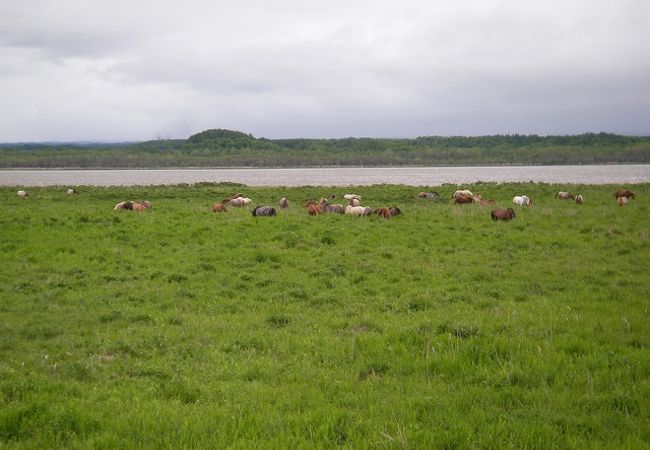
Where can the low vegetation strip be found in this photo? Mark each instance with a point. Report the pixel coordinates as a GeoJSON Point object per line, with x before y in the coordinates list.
{"type": "Point", "coordinates": [226, 148]}
{"type": "Point", "coordinates": [180, 327]}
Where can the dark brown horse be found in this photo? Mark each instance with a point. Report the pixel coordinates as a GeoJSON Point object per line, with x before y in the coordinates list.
{"type": "Point", "coordinates": [503, 214]}
{"type": "Point", "coordinates": [395, 211]}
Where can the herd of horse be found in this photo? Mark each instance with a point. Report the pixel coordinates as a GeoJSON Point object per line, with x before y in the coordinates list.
{"type": "Point", "coordinates": [354, 207]}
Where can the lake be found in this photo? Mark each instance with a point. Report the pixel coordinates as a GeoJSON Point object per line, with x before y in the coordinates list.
{"type": "Point", "coordinates": [413, 176]}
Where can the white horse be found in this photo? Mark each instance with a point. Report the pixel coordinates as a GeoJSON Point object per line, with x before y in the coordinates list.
{"type": "Point", "coordinates": [462, 193]}
{"type": "Point", "coordinates": [240, 201]}
{"type": "Point", "coordinates": [355, 210]}
{"type": "Point", "coordinates": [352, 196]}
{"type": "Point", "coordinates": [22, 194]}
{"type": "Point", "coordinates": [521, 200]}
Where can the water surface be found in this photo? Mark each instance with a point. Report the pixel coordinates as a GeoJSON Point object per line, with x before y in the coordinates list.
{"type": "Point", "coordinates": [413, 176]}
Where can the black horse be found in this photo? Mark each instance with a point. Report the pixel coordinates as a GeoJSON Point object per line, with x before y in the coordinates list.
{"type": "Point", "coordinates": [264, 211]}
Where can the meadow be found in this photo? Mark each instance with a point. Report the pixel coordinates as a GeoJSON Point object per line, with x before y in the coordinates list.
{"type": "Point", "coordinates": [181, 328]}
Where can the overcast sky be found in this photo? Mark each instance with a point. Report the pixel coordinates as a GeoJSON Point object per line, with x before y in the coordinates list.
{"type": "Point", "coordinates": [146, 69]}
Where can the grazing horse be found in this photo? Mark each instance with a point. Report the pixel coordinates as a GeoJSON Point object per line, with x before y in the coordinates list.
{"type": "Point", "coordinates": [461, 199]}
{"type": "Point", "coordinates": [354, 202]}
{"type": "Point", "coordinates": [580, 199]}
{"type": "Point", "coordinates": [327, 207]}
{"type": "Point", "coordinates": [351, 196]}
{"type": "Point", "coordinates": [355, 210]}
{"type": "Point", "coordinates": [624, 193]}
{"type": "Point", "coordinates": [522, 200]}
{"type": "Point", "coordinates": [314, 209]}
{"type": "Point", "coordinates": [503, 214]}
{"type": "Point", "coordinates": [462, 192]}
{"type": "Point", "coordinates": [266, 211]}
{"type": "Point", "coordinates": [429, 195]}
{"type": "Point", "coordinates": [140, 206]}
{"type": "Point", "coordinates": [622, 201]}
{"type": "Point", "coordinates": [22, 194]}
{"type": "Point", "coordinates": [240, 201]}
{"type": "Point", "coordinates": [395, 211]}
{"type": "Point", "coordinates": [564, 195]}
{"type": "Point", "coordinates": [383, 212]}
{"type": "Point", "coordinates": [71, 191]}
{"type": "Point", "coordinates": [284, 203]}
{"type": "Point", "coordinates": [124, 205]}
{"type": "Point", "coordinates": [219, 207]}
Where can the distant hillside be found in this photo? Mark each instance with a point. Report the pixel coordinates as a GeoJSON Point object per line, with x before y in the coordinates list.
{"type": "Point", "coordinates": [228, 148]}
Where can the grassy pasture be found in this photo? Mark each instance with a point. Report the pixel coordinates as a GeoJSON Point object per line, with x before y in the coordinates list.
{"type": "Point", "coordinates": [181, 328]}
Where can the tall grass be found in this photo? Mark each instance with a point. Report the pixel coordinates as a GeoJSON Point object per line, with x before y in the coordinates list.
{"type": "Point", "coordinates": [182, 328]}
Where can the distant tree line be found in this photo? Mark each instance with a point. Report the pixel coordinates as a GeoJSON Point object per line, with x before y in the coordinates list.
{"type": "Point", "coordinates": [227, 148]}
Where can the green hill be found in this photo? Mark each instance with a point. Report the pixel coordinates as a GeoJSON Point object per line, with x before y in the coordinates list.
{"type": "Point", "coordinates": [228, 148]}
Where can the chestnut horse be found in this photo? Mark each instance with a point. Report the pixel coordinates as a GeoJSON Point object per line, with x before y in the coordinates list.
{"type": "Point", "coordinates": [624, 193]}
{"type": "Point", "coordinates": [383, 212]}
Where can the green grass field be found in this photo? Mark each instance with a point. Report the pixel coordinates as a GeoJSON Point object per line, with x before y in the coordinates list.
{"type": "Point", "coordinates": [181, 328]}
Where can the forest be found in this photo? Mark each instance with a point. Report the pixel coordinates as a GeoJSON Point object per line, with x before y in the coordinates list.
{"type": "Point", "coordinates": [228, 148]}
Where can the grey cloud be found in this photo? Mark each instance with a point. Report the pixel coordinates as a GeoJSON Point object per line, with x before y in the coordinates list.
{"type": "Point", "coordinates": [293, 68]}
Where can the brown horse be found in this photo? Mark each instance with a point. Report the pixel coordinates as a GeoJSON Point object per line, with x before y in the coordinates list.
{"type": "Point", "coordinates": [624, 193]}
{"type": "Point", "coordinates": [314, 209]}
{"type": "Point", "coordinates": [143, 206]}
{"type": "Point", "coordinates": [487, 202]}
{"type": "Point", "coordinates": [383, 212]}
{"type": "Point", "coordinates": [395, 211]}
{"type": "Point", "coordinates": [503, 214]}
{"type": "Point", "coordinates": [219, 207]}
{"type": "Point", "coordinates": [462, 199]}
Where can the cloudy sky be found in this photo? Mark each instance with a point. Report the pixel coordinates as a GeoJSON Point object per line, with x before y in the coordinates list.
{"type": "Point", "coordinates": [146, 69]}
